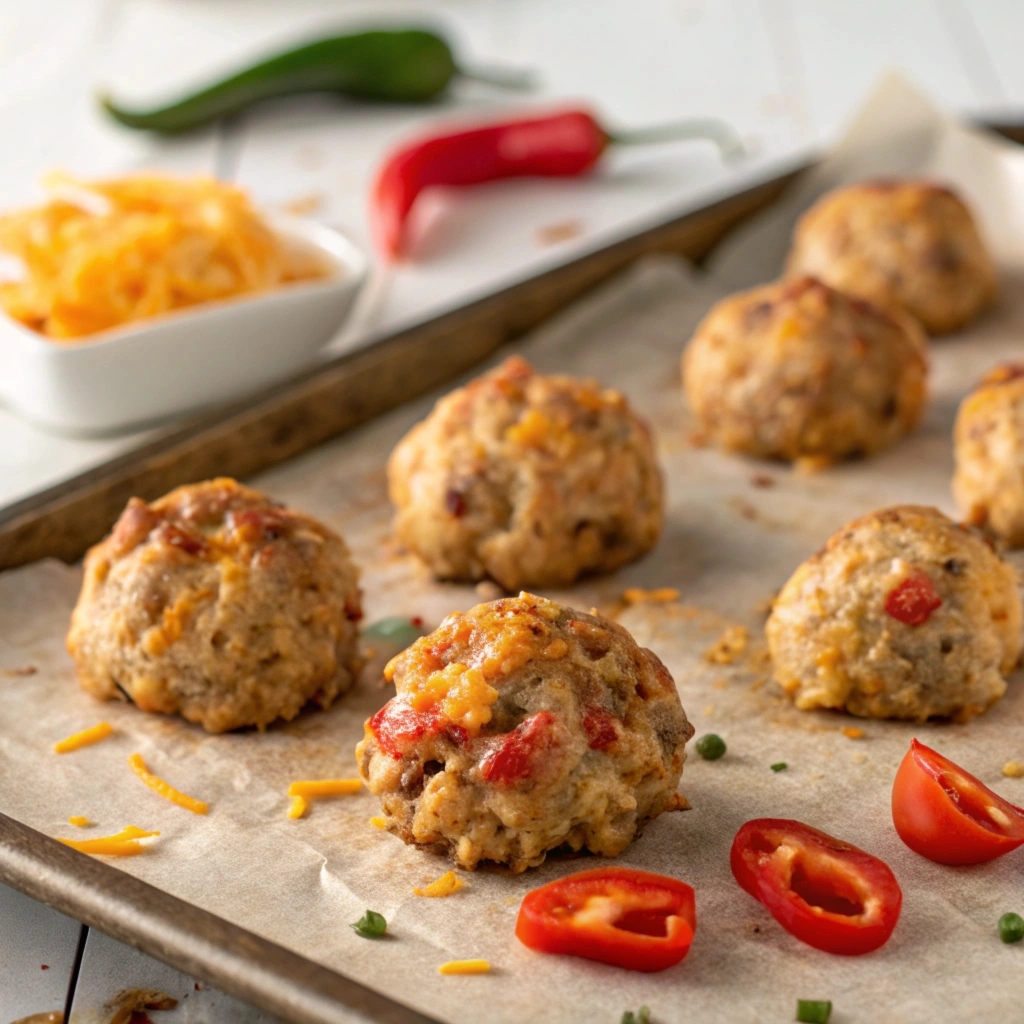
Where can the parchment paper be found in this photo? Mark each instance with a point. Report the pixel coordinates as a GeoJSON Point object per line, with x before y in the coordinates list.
{"type": "Point", "coordinates": [730, 542]}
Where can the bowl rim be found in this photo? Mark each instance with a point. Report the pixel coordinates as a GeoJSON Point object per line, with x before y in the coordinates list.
{"type": "Point", "coordinates": [349, 260]}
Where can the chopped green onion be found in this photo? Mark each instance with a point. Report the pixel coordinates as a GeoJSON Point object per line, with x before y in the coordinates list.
{"type": "Point", "coordinates": [711, 747]}
{"type": "Point", "coordinates": [813, 1011]}
{"type": "Point", "coordinates": [1011, 927]}
{"type": "Point", "coordinates": [642, 1016]}
{"type": "Point", "coordinates": [371, 925]}
{"type": "Point", "coordinates": [779, 766]}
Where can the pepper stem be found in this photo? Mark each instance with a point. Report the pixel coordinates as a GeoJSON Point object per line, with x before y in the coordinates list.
{"type": "Point", "coordinates": [518, 79]}
{"type": "Point", "coordinates": [723, 135]}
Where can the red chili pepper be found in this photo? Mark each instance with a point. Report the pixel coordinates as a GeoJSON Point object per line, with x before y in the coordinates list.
{"type": "Point", "coordinates": [513, 759]}
{"type": "Point", "coordinates": [559, 145]}
{"type": "Point", "coordinates": [947, 815]}
{"type": "Point", "coordinates": [827, 893]}
{"type": "Point", "coordinates": [913, 601]}
{"type": "Point", "coordinates": [620, 916]}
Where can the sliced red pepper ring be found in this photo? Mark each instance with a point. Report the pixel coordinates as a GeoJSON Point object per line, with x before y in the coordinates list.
{"type": "Point", "coordinates": [947, 815]}
{"type": "Point", "coordinates": [825, 892]}
{"type": "Point", "coordinates": [620, 916]}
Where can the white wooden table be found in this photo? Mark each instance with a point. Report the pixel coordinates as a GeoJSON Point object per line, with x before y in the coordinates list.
{"type": "Point", "coordinates": [784, 72]}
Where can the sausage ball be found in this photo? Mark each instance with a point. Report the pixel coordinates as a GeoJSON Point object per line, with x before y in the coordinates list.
{"type": "Point", "coordinates": [988, 445]}
{"type": "Point", "coordinates": [796, 370]}
{"type": "Point", "coordinates": [527, 479]}
{"type": "Point", "coordinates": [903, 614]}
{"type": "Point", "coordinates": [220, 605]}
{"type": "Point", "coordinates": [523, 726]}
{"type": "Point", "coordinates": [911, 245]}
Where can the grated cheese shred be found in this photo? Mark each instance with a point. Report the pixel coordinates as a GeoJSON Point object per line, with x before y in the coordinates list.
{"type": "Point", "coordinates": [447, 884]}
{"type": "Point", "coordinates": [78, 820]}
{"type": "Point", "coordinates": [123, 844]}
{"type": "Point", "coordinates": [298, 807]}
{"type": "Point", "coordinates": [465, 967]}
{"type": "Point", "coordinates": [164, 789]}
{"type": "Point", "coordinates": [310, 788]}
{"type": "Point", "coordinates": [85, 738]}
{"type": "Point", "coordinates": [378, 822]}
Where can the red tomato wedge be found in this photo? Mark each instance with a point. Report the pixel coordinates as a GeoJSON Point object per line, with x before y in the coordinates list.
{"type": "Point", "coordinates": [632, 919]}
{"type": "Point", "coordinates": [949, 816]}
{"type": "Point", "coordinates": [825, 892]}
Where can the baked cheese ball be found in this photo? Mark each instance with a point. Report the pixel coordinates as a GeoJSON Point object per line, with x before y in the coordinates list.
{"type": "Point", "coordinates": [796, 370]}
{"type": "Point", "coordinates": [903, 614]}
{"type": "Point", "coordinates": [523, 726]}
{"type": "Point", "coordinates": [220, 605]}
{"type": "Point", "coordinates": [904, 244]}
{"type": "Point", "coordinates": [988, 447]}
{"type": "Point", "coordinates": [527, 479]}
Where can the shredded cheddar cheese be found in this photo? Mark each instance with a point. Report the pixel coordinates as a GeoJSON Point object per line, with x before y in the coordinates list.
{"type": "Point", "coordinates": [164, 789]}
{"type": "Point", "coordinates": [310, 788]}
{"type": "Point", "coordinates": [78, 820]}
{"type": "Point", "coordinates": [447, 884]}
{"type": "Point", "coordinates": [298, 807]}
{"type": "Point", "coordinates": [1013, 770]}
{"type": "Point", "coordinates": [378, 822]}
{"type": "Point", "coordinates": [462, 693]}
{"type": "Point", "coordinates": [85, 738]}
{"type": "Point", "coordinates": [659, 595]}
{"type": "Point", "coordinates": [465, 967]}
{"type": "Point", "coordinates": [104, 253]}
{"type": "Point", "coordinates": [853, 733]}
{"type": "Point", "coordinates": [123, 844]}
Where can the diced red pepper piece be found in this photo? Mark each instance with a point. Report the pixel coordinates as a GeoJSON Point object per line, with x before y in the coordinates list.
{"type": "Point", "coordinates": [397, 727]}
{"type": "Point", "coordinates": [620, 916]}
{"type": "Point", "coordinates": [825, 892]}
{"type": "Point", "coordinates": [513, 759]}
{"type": "Point", "coordinates": [176, 537]}
{"type": "Point", "coordinates": [600, 728]}
{"type": "Point", "coordinates": [258, 523]}
{"type": "Point", "coordinates": [913, 601]}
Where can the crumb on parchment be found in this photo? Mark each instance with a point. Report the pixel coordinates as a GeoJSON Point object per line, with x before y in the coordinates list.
{"type": "Point", "coordinates": [1013, 770]}
{"type": "Point", "coordinates": [728, 647]}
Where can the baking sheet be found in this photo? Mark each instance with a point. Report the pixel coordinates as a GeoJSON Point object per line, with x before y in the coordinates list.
{"type": "Point", "coordinates": [729, 543]}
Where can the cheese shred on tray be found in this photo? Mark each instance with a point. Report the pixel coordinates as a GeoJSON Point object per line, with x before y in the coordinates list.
{"type": "Point", "coordinates": [465, 967]}
{"type": "Point", "coordinates": [447, 884]}
{"type": "Point", "coordinates": [164, 789]}
{"type": "Point", "coordinates": [310, 788]}
{"type": "Point", "coordinates": [124, 844]}
{"type": "Point", "coordinates": [101, 254]}
{"type": "Point", "coordinates": [84, 738]}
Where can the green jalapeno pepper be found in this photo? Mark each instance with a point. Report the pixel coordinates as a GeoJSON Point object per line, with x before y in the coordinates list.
{"type": "Point", "coordinates": [407, 66]}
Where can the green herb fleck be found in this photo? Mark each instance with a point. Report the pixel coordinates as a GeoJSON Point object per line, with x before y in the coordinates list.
{"type": "Point", "coordinates": [1011, 927]}
{"type": "Point", "coordinates": [642, 1016]}
{"type": "Point", "coordinates": [711, 747]}
{"type": "Point", "coordinates": [813, 1011]}
{"type": "Point", "coordinates": [399, 631]}
{"type": "Point", "coordinates": [779, 766]}
{"type": "Point", "coordinates": [371, 925]}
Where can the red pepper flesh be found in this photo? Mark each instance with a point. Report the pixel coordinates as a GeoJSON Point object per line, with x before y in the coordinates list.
{"type": "Point", "coordinates": [913, 601]}
{"type": "Point", "coordinates": [397, 727]}
{"type": "Point", "coordinates": [823, 891]}
{"type": "Point", "coordinates": [564, 144]}
{"type": "Point", "coordinates": [620, 916]}
{"type": "Point", "coordinates": [947, 815]}
{"type": "Point", "coordinates": [513, 759]}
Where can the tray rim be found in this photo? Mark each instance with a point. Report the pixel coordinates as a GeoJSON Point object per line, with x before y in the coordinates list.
{"type": "Point", "coordinates": [167, 927]}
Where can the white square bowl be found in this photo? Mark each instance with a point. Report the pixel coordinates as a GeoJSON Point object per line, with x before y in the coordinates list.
{"type": "Point", "coordinates": [177, 363]}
